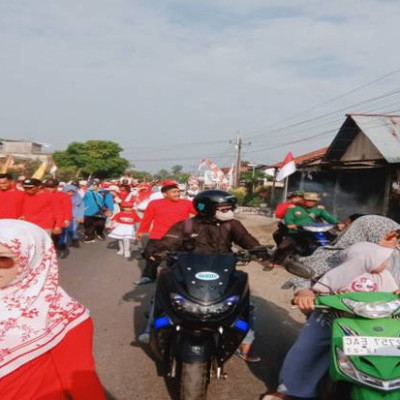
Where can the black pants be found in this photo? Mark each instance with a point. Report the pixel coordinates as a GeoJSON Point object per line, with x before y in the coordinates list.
{"type": "Point", "coordinates": [92, 226]}
{"type": "Point", "coordinates": [288, 244]}
{"type": "Point", "coordinates": [279, 233]}
{"type": "Point", "coordinates": [150, 269]}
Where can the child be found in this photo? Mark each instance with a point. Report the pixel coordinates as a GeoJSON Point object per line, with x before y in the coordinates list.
{"type": "Point", "coordinates": [123, 228]}
{"type": "Point", "coordinates": [363, 269]}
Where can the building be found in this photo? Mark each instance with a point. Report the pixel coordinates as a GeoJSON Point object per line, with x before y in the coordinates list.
{"type": "Point", "coordinates": [23, 149]}
{"type": "Point", "coordinates": [360, 171]}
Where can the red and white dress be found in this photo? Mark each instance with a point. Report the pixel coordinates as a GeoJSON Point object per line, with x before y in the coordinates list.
{"type": "Point", "coordinates": [45, 335]}
{"type": "Point", "coordinates": [124, 223]}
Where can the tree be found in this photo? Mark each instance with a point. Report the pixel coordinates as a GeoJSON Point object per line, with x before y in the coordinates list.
{"type": "Point", "coordinates": [142, 176]}
{"type": "Point", "coordinates": [99, 158]}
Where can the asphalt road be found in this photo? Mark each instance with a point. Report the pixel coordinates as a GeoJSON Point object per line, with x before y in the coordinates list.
{"type": "Point", "coordinates": [104, 282]}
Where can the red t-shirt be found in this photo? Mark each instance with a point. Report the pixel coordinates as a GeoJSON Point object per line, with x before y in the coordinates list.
{"type": "Point", "coordinates": [281, 209]}
{"type": "Point", "coordinates": [66, 370]}
{"type": "Point", "coordinates": [126, 217]}
{"type": "Point", "coordinates": [65, 205]}
{"type": "Point", "coordinates": [161, 214]}
{"type": "Point", "coordinates": [42, 209]}
{"type": "Point", "coordinates": [11, 202]}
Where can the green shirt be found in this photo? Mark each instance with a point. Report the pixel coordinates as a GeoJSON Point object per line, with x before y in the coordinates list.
{"type": "Point", "coordinates": [301, 216]}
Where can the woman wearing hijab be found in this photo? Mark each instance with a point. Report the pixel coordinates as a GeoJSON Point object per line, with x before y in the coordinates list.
{"type": "Point", "coordinates": [45, 335]}
{"type": "Point", "coordinates": [364, 268]}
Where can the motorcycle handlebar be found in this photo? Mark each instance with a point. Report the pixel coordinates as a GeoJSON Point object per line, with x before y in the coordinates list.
{"type": "Point", "coordinates": [256, 253]}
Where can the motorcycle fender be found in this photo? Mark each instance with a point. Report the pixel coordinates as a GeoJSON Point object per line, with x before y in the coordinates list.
{"type": "Point", "coordinates": [191, 349]}
{"type": "Point", "coordinates": [363, 393]}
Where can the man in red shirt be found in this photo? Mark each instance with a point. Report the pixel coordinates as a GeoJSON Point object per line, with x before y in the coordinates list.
{"type": "Point", "coordinates": [64, 208]}
{"type": "Point", "coordinates": [159, 216]}
{"type": "Point", "coordinates": [11, 199]}
{"type": "Point", "coordinates": [41, 207]}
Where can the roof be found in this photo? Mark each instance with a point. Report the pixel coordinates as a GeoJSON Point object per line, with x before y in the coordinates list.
{"type": "Point", "coordinates": [381, 129]}
{"type": "Point", "coordinates": [21, 141]}
{"type": "Point", "coordinates": [313, 157]}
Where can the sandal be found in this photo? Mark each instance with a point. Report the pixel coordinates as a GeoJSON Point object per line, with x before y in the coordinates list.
{"type": "Point", "coordinates": [275, 396]}
{"type": "Point", "coordinates": [248, 357]}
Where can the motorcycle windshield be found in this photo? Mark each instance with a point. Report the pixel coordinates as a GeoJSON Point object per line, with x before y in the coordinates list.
{"type": "Point", "coordinates": [206, 276]}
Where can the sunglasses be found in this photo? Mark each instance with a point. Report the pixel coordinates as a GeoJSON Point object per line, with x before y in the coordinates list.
{"type": "Point", "coordinates": [7, 262]}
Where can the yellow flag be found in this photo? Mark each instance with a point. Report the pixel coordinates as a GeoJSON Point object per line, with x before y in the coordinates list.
{"type": "Point", "coordinates": [7, 164]}
{"type": "Point", "coordinates": [39, 173]}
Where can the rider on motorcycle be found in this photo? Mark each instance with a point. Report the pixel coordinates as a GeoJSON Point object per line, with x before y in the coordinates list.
{"type": "Point", "coordinates": [212, 230]}
{"type": "Point", "coordinates": [298, 216]}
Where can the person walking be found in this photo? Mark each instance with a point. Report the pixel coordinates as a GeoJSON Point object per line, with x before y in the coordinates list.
{"type": "Point", "coordinates": [11, 199]}
{"type": "Point", "coordinates": [41, 207]}
{"type": "Point", "coordinates": [78, 209]}
{"type": "Point", "coordinates": [158, 218]}
{"type": "Point", "coordinates": [123, 228]}
{"type": "Point", "coordinates": [45, 335]}
{"type": "Point", "coordinates": [98, 206]}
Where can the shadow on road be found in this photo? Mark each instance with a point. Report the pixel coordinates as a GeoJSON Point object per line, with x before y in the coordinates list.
{"type": "Point", "coordinates": [276, 330]}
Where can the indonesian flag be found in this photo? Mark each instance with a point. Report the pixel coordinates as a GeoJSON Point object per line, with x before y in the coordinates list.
{"type": "Point", "coordinates": [288, 168]}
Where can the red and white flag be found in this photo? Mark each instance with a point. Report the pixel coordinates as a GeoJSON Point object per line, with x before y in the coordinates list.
{"type": "Point", "coordinates": [288, 168]}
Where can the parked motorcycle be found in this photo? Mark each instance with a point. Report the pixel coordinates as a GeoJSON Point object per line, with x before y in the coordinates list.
{"type": "Point", "coordinates": [201, 315]}
{"type": "Point", "coordinates": [365, 350]}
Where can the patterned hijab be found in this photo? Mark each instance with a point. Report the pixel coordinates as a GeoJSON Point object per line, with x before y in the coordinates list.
{"type": "Point", "coordinates": [369, 228]}
{"type": "Point", "coordinates": [35, 312]}
{"type": "Point", "coordinates": [355, 272]}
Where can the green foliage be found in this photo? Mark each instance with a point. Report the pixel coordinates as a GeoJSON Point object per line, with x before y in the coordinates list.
{"type": "Point", "coordinates": [240, 193]}
{"type": "Point", "coordinates": [67, 174]}
{"type": "Point", "coordinates": [99, 158]}
{"type": "Point", "coordinates": [176, 173]}
{"type": "Point", "coordinates": [142, 176]}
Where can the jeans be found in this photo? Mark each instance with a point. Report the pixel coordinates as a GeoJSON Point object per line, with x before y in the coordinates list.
{"type": "Point", "coordinates": [70, 232]}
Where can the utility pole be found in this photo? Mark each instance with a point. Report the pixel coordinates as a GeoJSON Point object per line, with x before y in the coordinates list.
{"type": "Point", "coordinates": [238, 157]}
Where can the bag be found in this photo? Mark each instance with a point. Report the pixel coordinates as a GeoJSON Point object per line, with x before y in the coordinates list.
{"type": "Point", "coordinates": [102, 210]}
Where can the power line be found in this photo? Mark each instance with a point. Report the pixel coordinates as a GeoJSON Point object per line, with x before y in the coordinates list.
{"type": "Point", "coordinates": [331, 100]}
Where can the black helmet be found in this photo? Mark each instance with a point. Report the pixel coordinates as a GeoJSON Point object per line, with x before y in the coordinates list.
{"type": "Point", "coordinates": [207, 201]}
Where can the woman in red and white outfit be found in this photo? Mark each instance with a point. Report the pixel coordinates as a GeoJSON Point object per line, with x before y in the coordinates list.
{"type": "Point", "coordinates": [123, 228]}
{"type": "Point", "coordinates": [45, 335]}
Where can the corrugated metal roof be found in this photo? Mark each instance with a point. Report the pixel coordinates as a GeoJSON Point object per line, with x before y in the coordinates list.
{"type": "Point", "coordinates": [384, 133]}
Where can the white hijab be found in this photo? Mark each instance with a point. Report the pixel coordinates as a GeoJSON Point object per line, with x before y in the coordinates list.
{"type": "Point", "coordinates": [35, 312]}
{"type": "Point", "coordinates": [355, 271]}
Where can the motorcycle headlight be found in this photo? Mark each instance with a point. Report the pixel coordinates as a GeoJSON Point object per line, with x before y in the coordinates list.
{"type": "Point", "coordinates": [348, 369]}
{"type": "Point", "coordinates": [185, 305]}
{"type": "Point", "coordinates": [378, 309]}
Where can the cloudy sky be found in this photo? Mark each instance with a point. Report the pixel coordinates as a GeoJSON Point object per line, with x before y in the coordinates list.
{"type": "Point", "coordinates": [173, 81]}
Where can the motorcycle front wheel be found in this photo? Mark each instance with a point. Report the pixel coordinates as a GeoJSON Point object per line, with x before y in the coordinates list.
{"type": "Point", "coordinates": [194, 381]}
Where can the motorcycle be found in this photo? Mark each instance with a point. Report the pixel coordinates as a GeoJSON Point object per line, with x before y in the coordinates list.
{"type": "Point", "coordinates": [365, 349]}
{"type": "Point", "coordinates": [201, 315]}
{"type": "Point", "coordinates": [315, 235]}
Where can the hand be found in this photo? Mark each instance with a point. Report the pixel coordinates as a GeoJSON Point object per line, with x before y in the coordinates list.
{"type": "Point", "coordinates": [108, 213]}
{"type": "Point", "coordinates": [80, 221]}
{"type": "Point", "coordinates": [341, 226]}
{"type": "Point", "coordinates": [67, 223]}
{"type": "Point", "coordinates": [292, 226]}
{"type": "Point", "coordinates": [56, 231]}
{"type": "Point", "coordinates": [139, 236]}
{"type": "Point", "coordinates": [389, 240]}
{"type": "Point", "coordinates": [305, 300]}
{"type": "Point", "coordinates": [397, 292]}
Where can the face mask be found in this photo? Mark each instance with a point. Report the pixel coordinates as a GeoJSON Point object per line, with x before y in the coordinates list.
{"type": "Point", "coordinates": [224, 216]}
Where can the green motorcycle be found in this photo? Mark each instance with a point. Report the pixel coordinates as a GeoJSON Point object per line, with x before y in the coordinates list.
{"type": "Point", "coordinates": [365, 350]}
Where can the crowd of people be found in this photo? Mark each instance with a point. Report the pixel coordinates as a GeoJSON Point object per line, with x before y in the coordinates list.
{"type": "Point", "coordinates": [40, 323]}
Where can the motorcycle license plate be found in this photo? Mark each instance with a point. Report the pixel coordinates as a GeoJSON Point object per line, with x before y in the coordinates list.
{"type": "Point", "coordinates": [371, 346]}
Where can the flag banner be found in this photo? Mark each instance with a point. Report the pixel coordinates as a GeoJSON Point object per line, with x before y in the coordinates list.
{"type": "Point", "coordinates": [39, 173]}
{"type": "Point", "coordinates": [287, 169]}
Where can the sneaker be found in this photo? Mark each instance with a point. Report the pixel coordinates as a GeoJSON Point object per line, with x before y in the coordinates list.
{"type": "Point", "coordinates": [248, 357]}
{"type": "Point", "coordinates": [144, 280]}
{"type": "Point", "coordinates": [127, 254]}
{"type": "Point", "coordinates": [144, 338]}
{"type": "Point", "coordinates": [89, 241]}
{"type": "Point", "coordinates": [101, 237]}
{"type": "Point", "coordinates": [120, 253]}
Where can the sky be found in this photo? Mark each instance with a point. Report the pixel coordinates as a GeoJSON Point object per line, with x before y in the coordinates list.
{"type": "Point", "coordinates": [174, 81]}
